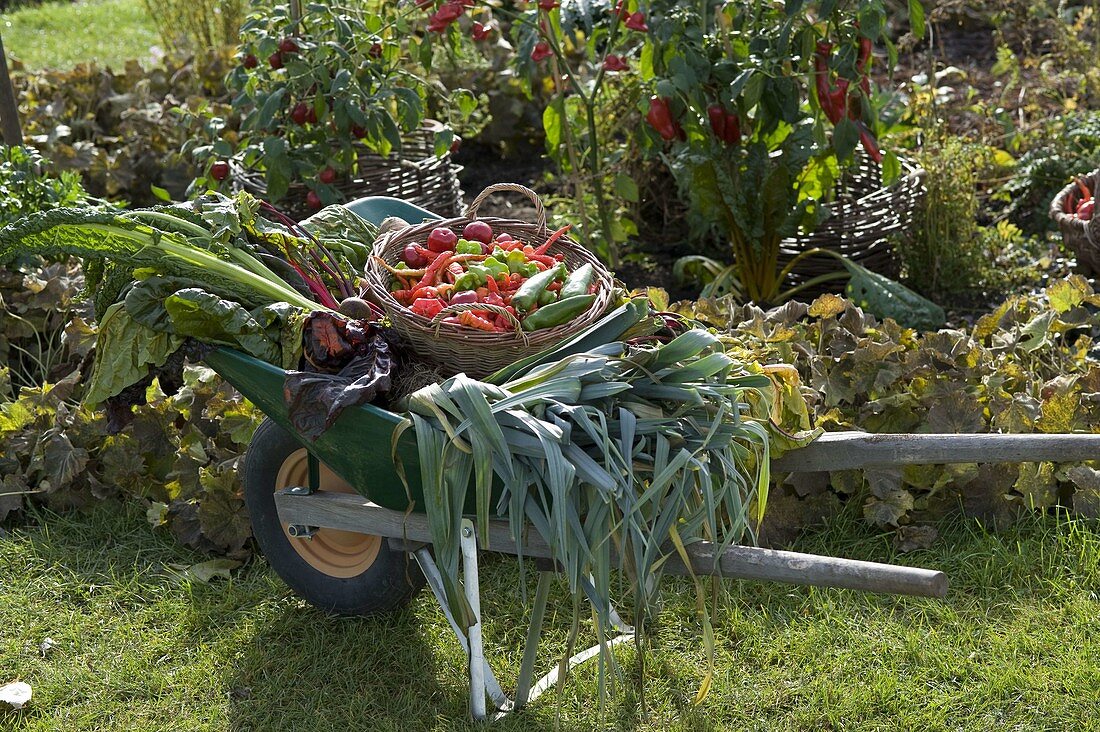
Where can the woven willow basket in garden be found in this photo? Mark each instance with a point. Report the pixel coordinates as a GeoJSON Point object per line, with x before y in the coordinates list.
{"type": "Point", "coordinates": [866, 217]}
{"type": "Point", "coordinates": [1081, 237]}
{"type": "Point", "coordinates": [460, 349]}
{"type": "Point", "coordinates": [415, 175]}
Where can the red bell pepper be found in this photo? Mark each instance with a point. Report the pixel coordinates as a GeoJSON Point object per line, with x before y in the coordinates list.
{"type": "Point", "coordinates": [660, 118]}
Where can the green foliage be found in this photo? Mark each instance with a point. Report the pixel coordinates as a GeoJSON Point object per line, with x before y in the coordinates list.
{"type": "Point", "coordinates": [1063, 148]}
{"type": "Point", "coordinates": [766, 71]}
{"type": "Point", "coordinates": [345, 86]}
{"type": "Point", "coordinates": [44, 332]}
{"type": "Point", "coordinates": [944, 256]}
{"type": "Point", "coordinates": [27, 184]}
{"type": "Point", "coordinates": [61, 35]}
{"type": "Point", "coordinates": [178, 456]}
{"type": "Point", "coordinates": [113, 127]}
{"type": "Point", "coordinates": [196, 26]}
{"type": "Point", "coordinates": [1026, 367]}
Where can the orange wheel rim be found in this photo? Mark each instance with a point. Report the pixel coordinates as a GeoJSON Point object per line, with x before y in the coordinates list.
{"type": "Point", "coordinates": [332, 552]}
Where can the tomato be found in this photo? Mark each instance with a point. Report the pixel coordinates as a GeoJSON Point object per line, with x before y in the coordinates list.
{"type": "Point", "coordinates": [413, 258]}
{"type": "Point", "coordinates": [219, 170]}
{"type": "Point", "coordinates": [478, 231]}
{"type": "Point", "coordinates": [504, 236]}
{"type": "Point", "coordinates": [442, 239]}
{"type": "Point", "coordinates": [313, 200]}
{"type": "Point", "coordinates": [327, 176]}
{"type": "Point", "coordinates": [287, 45]}
{"type": "Point", "coordinates": [1085, 209]}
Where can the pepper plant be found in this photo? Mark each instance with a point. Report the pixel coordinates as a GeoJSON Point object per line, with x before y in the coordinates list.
{"type": "Point", "coordinates": [315, 86]}
{"type": "Point", "coordinates": [758, 107]}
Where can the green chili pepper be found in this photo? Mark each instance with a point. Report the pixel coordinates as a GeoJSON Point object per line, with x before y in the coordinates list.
{"type": "Point", "coordinates": [528, 293]}
{"type": "Point", "coordinates": [515, 259]}
{"type": "Point", "coordinates": [497, 268]}
{"type": "Point", "coordinates": [529, 270]}
{"type": "Point", "coordinates": [401, 265]}
{"type": "Point", "coordinates": [558, 312]}
{"type": "Point", "coordinates": [578, 282]}
{"type": "Point", "coordinates": [467, 247]}
{"type": "Point", "coordinates": [468, 281]}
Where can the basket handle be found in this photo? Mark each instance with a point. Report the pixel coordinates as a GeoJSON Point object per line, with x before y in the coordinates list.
{"type": "Point", "coordinates": [437, 321]}
{"type": "Point", "coordinates": [540, 211]}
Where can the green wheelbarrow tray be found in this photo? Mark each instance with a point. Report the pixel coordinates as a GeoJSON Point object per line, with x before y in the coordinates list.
{"type": "Point", "coordinates": [357, 447]}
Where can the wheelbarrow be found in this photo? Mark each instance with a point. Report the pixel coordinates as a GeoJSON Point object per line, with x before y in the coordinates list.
{"type": "Point", "coordinates": [332, 519]}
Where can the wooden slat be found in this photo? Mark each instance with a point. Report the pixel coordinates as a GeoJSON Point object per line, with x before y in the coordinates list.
{"type": "Point", "coordinates": [845, 450]}
{"type": "Point", "coordinates": [354, 513]}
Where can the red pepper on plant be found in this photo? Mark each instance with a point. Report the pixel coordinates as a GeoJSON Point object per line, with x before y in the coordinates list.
{"type": "Point", "coordinates": [612, 62]}
{"type": "Point", "coordinates": [636, 22]}
{"type": "Point", "coordinates": [548, 5]}
{"type": "Point", "coordinates": [541, 51]}
{"type": "Point", "coordinates": [480, 31]}
{"type": "Point", "coordinates": [660, 118]}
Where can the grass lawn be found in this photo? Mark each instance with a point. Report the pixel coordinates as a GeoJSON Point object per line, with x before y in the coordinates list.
{"type": "Point", "coordinates": [1014, 646]}
{"type": "Point", "coordinates": [61, 35]}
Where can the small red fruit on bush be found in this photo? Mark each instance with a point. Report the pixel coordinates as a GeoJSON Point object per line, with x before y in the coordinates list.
{"type": "Point", "coordinates": [636, 22]}
{"type": "Point", "coordinates": [375, 50]}
{"type": "Point", "coordinates": [219, 170]}
{"type": "Point", "coordinates": [313, 200]}
{"type": "Point", "coordinates": [442, 239]}
{"type": "Point", "coordinates": [250, 61]}
{"type": "Point", "coordinates": [276, 60]}
{"type": "Point", "coordinates": [359, 131]}
{"type": "Point", "coordinates": [287, 45]}
{"type": "Point", "coordinates": [327, 176]}
{"type": "Point", "coordinates": [478, 231]}
{"type": "Point", "coordinates": [300, 113]}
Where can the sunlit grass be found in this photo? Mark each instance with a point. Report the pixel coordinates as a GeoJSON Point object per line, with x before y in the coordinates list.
{"type": "Point", "coordinates": [1014, 646]}
{"type": "Point", "coordinates": [60, 35]}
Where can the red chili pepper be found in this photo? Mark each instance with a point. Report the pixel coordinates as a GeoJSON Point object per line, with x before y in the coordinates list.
{"type": "Point", "coordinates": [551, 239]}
{"type": "Point", "coordinates": [1086, 194]}
{"type": "Point", "coordinates": [480, 31]}
{"type": "Point", "coordinates": [733, 129]}
{"type": "Point", "coordinates": [636, 22]}
{"type": "Point", "coordinates": [821, 82]}
{"type": "Point", "coordinates": [717, 116]}
{"type": "Point", "coordinates": [429, 307]}
{"type": "Point", "coordinates": [548, 5]}
{"type": "Point", "coordinates": [864, 57]}
{"type": "Point", "coordinates": [660, 118]}
{"type": "Point", "coordinates": [613, 62]}
{"type": "Point", "coordinates": [541, 51]}
{"type": "Point", "coordinates": [869, 143]}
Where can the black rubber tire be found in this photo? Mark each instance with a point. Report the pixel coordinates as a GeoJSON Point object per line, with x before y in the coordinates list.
{"type": "Point", "coordinates": [388, 584]}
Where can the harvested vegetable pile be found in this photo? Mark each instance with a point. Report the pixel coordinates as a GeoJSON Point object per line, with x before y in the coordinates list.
{"type": "Point", "coordinates": [213, 271]}
{"type": "Point", "coordinates": [616, 455]}
{"type": "Point", "coordinates": [515, 283]}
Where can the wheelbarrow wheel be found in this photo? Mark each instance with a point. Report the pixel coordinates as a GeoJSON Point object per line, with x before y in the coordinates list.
{"type": "Point", "coordinates": [341, 572]}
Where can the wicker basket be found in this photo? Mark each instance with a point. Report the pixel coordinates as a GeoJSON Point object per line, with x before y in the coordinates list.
{"type": "Point", "coordinates": [1081, 237]}
{"type": "Point", "coordinates": [461, 349]}
{"type": "Point", "coordinates": [415, 175]}
{"type": "Point", "coordinates": [865, 218]}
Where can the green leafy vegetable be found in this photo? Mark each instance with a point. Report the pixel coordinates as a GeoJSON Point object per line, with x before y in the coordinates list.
{"type": "Point", "coordinates": [125, 352]}
{"type": "Point", "coordinates": [608, 454]}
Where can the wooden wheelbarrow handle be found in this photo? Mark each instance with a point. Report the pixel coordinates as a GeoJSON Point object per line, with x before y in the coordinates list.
{"type": "Point", "coordinates": [354, 513]}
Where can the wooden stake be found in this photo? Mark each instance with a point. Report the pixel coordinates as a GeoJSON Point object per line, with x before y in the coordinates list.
{"type": "Point", "coordinates": [9, 109]}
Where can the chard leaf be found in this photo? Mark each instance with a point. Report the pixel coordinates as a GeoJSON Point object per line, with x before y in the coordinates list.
{"type": "Point", "coordinates": [125, 352]}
